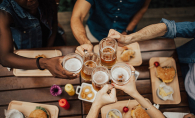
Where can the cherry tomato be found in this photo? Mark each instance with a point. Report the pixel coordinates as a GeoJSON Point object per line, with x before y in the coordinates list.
{"type": "Point", "coordinates": [156, 64]}
{"type": "Point", "coordinates": [125, 109]}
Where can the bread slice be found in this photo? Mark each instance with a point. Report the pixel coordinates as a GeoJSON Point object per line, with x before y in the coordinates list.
{"type": "Point", "coordinates": [139, 112]}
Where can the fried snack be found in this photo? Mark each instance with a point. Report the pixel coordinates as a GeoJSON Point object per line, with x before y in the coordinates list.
{"type": "Point", "coordinates": [127, 54]}
{"type": "Point", "coordinates": [42, 55]}
{"type": "Point", "coordinates": [112, 114]}
{"type": "Point", "coordinates": [139, 112]}
{"type": "Point", "coordinates": [90, 98]}
{"type": "Point", "coordinates": [83, 95]}
{"type": "Point", "coordinates": [87, 88]}
{"type": "Point", "coordinates": [166, 74]}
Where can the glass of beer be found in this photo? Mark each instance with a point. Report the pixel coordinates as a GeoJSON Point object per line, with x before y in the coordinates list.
{"type": "Point", "coordinates": [90, 61]}
{"type": "Point", "coordinates": [121, 73]}
{"type": "Point", "coordinates": [73, 63]}
{"type": "Point", "coordinates": [100, 77]}
{"type": "Point", "coordinates": [108, 52]}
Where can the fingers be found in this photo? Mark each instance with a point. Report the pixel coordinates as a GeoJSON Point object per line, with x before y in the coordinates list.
{"type": "Point", "coordinates": [106, 88]}
{"type": "Point", "coordinates": [188, 116]}
{"type": "Point", "coordinates": [117, 86]}
{"type": "Point", "coordinates": [112, 32]}
{"type": "Point", "coordinates": [78, 53]}
{"type": "Point", "coordinates": [80, 50]}
{"type": "Point", "coordinates": [113, 94]}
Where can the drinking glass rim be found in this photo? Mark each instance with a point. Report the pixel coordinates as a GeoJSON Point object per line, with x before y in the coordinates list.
{"type": "Point", "coordinates": [108, 73]}
{"type": "Point", "coordinates": [91, 60]}
{"type": "Point", "coordinates": [123, 64]}
{"type": "Point", "coordinates": [73, 57]}
{"type": "Point", "coordinates": [105, 39]}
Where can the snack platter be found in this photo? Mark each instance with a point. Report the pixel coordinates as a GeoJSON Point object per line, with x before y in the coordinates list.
{"type": "Point", "coordinates": [26, 108]}
{"type": "Point", "coordinates": [135, 61]}
{"type": "Point", "coordinates": [170, 62]}
{"type": "Point", "coordinates": [33, 54]}
{"type": "Point", "coordinates": [79, 92]}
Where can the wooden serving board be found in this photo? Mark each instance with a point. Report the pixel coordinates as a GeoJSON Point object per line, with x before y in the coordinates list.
{"type": "Point", "coordinates": [119, 105]}
{"type": "Point", "coordinates": [136, 61]}
{"type": "Point", "coordinates": [164, 61]}
{"type": "Point", "coordinates": [26, 108]}
{"type": "Point", "coordinates": [33, 54]}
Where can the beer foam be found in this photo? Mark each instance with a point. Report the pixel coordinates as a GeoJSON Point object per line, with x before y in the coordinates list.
{"type": "Point", "coordinates": [100, 77]}
{"type": "Point", "coordinates": [117, 72]}
{"type": "Point", "coordinates": [73, 64]}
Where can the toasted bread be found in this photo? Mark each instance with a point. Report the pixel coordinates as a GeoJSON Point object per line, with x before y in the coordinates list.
{"type": "Point", "coordinates": [127, 54]}
{"type": "Point", "coordinates": [138, 112]}
{"type": "Point", "coordinates": [166, 74]}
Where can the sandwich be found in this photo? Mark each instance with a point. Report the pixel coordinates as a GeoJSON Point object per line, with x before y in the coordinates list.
{"type": "Point", "coordinates": [139, 112]}
{"type": "Point", "coordinates": [166, 74]}
{"type": "Point", "coordinates": [40, 112]}
{"type": "Point", "coordinates": [127, 54]}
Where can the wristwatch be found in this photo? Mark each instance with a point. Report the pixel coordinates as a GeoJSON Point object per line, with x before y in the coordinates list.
{"type": "Point", "coordinates": [128, 31]}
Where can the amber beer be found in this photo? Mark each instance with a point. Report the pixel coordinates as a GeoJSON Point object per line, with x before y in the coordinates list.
{"type": "Point", "coordinates": [108, 57]}
{"type": "Point", "coordinates": [100, 77]}
{"type": "Point", "coordinates": [108, 52]}
{"type": "Point", "coordinates": [86, 73]}
{"type": "Point", "coordinates": [91, 60]}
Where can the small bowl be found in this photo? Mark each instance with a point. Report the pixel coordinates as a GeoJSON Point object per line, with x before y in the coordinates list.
{"type": "Point", "coordinates": [167, 89]}
{"type": "Point", "coordinates": [115, 111]}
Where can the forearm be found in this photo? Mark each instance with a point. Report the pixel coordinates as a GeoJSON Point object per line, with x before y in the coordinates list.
{"type": "Point", "coordinates": [15, 61]}
{"type": "Point", "coordinates": [79, 31]}
{"type": "Point", "coordinates": [149, 32]}
{"type": "Point", "coordinates": [135, 20]}
{"type": "Point", "coordinates": [152, 111]}
{"type": "Point", "coordinates": [53, 35]}
{"type": "Point", "coordinates": [94, 111]}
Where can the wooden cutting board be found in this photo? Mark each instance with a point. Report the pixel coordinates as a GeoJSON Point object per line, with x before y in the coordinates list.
{"type": "Point", "coordinates": [136, 61]}
{"type": "Point", "coordinates": [164, 61]}
{"type": "Point", "coordinates": [33, 54]}
{"type": "Point", "coordinates": [119, 105]}
{"type": "Point", "coordinates": [26, 108]}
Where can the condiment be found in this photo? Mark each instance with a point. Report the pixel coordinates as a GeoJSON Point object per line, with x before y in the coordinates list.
{"type": "Point", "coordinates": [69, 89]}
{"type": "Point", "coordinates": [64, 104]}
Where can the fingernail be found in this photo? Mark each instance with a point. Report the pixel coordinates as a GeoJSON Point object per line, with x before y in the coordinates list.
{"type": "Point", "coordinates": [112, 84]}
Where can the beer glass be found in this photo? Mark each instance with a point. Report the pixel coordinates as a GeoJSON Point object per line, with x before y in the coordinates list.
{"type": "Point", "coordinates": [90, 61]}
{"type": "Point", "coordinates": [73, 63]}
{"type": "Point", "coordinates": [108, 52]}
{"type": "Point", "coordinates": [121, 73]}
{"type": "Point", "coordinates": [100, 77]}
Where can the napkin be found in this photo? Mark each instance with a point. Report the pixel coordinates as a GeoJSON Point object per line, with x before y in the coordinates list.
{"type": "Point", "coordinates": [174, 114]}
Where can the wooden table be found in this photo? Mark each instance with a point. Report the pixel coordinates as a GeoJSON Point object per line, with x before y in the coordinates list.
{"type": "Point", "coordinates": [36, 89]}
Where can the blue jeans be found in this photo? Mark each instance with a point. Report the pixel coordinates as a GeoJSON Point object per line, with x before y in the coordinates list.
{"type": "Point", "coordinates": [191, 101]}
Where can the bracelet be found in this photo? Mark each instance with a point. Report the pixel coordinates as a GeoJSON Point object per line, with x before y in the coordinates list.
{"type": "Point", "coordinates": [38, 65]}
{"type": "Point", "coordinates": [146, 108]}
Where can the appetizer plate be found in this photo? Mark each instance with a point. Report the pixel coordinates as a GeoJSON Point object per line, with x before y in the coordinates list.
{"type": "Point", "coordinates": [79, 92]}
{"type": "Point", "coordinates": [164, 61]}
{"type": "Point", "coordinates": [26, 108]}
{"type": "Point", "coordinates": [135, 61]}
{"type": "Point", "coordinates": [33, 54]}
{"type": "Point", "coordinates": [119, 105]}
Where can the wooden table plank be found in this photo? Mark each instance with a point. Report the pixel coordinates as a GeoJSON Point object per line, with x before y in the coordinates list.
{"type": "Point", "coordinates": [32, 95]}
{"type": "Point", "coordinates": [11, 83]}
{"type": "Point", "coordinates": [75, 109]}
{"type": "Point", "coordinates": [157, 44]}
{"type": "Point", "coordinates": [72, 117]}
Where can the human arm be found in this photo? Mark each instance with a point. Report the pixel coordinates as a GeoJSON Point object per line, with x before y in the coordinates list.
{"type": "Point", "coordinates": [189, 116]}
{"type": "Point", "coordinates": [10, 59]}
{"type": "Point", "coordinates": [80, 10]}
{"type": "Point", "coordinates": [130, 88]}
{"type": "Point", "coordinates": [54, 26]}
{"type": "Point", "coordinates": [137, 17]}
{"type": "Point", "coordinates": [102, 98]}
{"type": "Point", "coordinates": [148, 32]}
